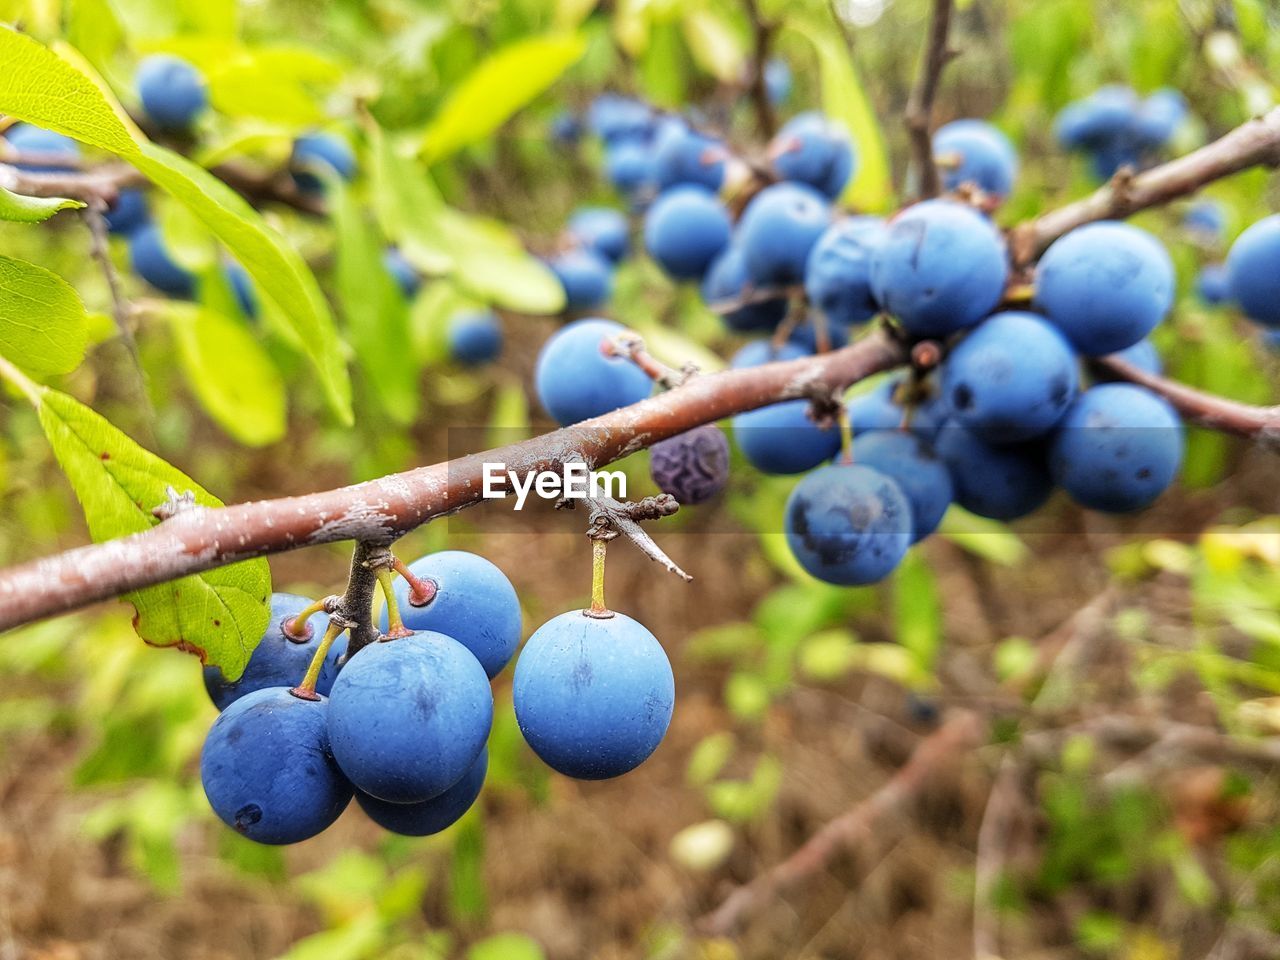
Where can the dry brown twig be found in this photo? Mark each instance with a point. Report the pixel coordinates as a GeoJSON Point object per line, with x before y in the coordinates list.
{"type": "Point", "coordinates": [919, 118]}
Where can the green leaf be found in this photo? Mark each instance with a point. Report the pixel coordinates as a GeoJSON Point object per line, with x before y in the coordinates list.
{"type": "Point", "coordinates": [42, 88]}
{"type": "Point", "coordinates": [43, 326]}
{"type": "Point", "coordinates": [917, 612]}
{"type": "Point", "coordinates": [499, 86]}
{"type": "Point", "coordinates": [989, 539]}
{"type": "Point", "coordinates": [219, 615]}
{"type": "Point", "coordinates": [506, 946]}
{"type": "Point", "coordinates": [230, 373]}
{"type": "Point", "coordinates": [715, 46]}
{"type": "Point", "coordinates": [16, 208]}
{"type": "Point", "coordinates": [375, 309]}
{"type": "Point", "coordinates": [845, 100]}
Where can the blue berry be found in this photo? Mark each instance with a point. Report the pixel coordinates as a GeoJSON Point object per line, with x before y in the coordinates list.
{"type": "Point", "coordinates": [783, 439]}
{"type": "Point", "coordinates": [763, 351]}
{"type": "Point", "coordinates": [430, 816]}
{"type": "Point", "coordinates": [685, 230]}
{"type": "Point", "coordinates": [1118, 448]}
{"type": "Point", "coordinates": [129, 212]}
{"type": "Point", "coordinates": [918, 471]}
{"type": "Point", "coordinates": [692, 466]}
{"type": "Point", "coordinates": [999, 482]}
{"type": "Point", "coordinates": [26, 138]}
{"type": "Point", "coordinates": [1251, 266]}
{"type": "Point", "coordinates": [877, 409]}
{"type": "Point", "coordinates": [474, 603]}
{"type": "Point", "coordinates": [172, 91]}
{"type": "Point", "coordinates": [1011, 378]}
{"type": "Point", "coordinates": [837, 276]}
{"type": "Point", "coordinates": [612, 117]}
{"type": "Point", "coordinates": [566, 128]}
{"type": "Point", "coordinates": [1142, 355]}
{"type": "Point", "coordinates": [242, 289]}
{"type": "Point", "coordinates": [1102, 118]}
{"type": "Point", "coordinates": [151, 261]}
{"type": "Point", "coordinates": [593, 696]}
{"type": "Point", "coordinates": [974, 151]}
{"type": "Point", "coordinates": [726, 280]}
{"type": "Point", "coordinates": [777, 81]}
{"type": "Point", "coordinates": [602, 230]}
{"type": "Point", "coordinates": [940, 268]}
{"type": "Point", "coordinates": [402, 271]}
{"type": "Point", "coordinates": [1159, 117]}
{"type": "Point", "coordinates": [1206, 218]}
{"type": "Point", "coordinates": [587, 278]}
{"type": "Point", "coordinates": [1105, 286]}
{"type": "Point", "coordinates": [268, 770]}
{"type": "Point", "coordinates": [575, 379]}
{"type": "Point", "coordinates": [812, 149]}
{"type": "Point", "coordinates": [475, 338]}
{"type": "Point", "coordinates": [629, 166]}
{"type": "Point", "coordinates": [315, 149]}
{"type": "Point", "coordinates": [848, 524]}
{"type": "Point", "coordinates": [806, 334]}
{"type": "Point", "coordinates": [1213, 284]}
{"type": "Point", "coordinates": [408, 717]}
{"type": "Point", "coordinates": [777, 231]}
{"type": "Point", "coordinates": [681, 155]}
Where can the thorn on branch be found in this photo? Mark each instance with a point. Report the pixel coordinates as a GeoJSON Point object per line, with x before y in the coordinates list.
{"type": "Point", "coordinates": [630, 346]}
{"type": "Point", "coordinates": [175, 503]}
{"type": "Point", "coordinates": [610, 518]}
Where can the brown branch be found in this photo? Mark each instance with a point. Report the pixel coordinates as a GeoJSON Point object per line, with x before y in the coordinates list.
{"type": "Point", "coordinates": [379, 511]}
{"type": "Point", "coordinates": [1254, 143]}
{"type": "Point", "coordinates": [762, 32]}
{"type": "Point", "coordinates": [98, 248]}
{"type": "Point", "coordinates": [919, 115]}
{"type": "Point", "coordinates": [357, 602]}
{"type": "Point", "coordinates": [1260, 424]}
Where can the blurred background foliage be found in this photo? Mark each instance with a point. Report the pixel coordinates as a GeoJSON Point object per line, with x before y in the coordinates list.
{"type": "Point", "coordinates": [796, 698]}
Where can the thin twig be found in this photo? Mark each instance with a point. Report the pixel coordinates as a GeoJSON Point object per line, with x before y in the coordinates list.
{"type": "Point", "coordinates": [357, 601]}
{"type": "Point", "coordinates": [991, 856]}
{"type": "Point", "coordinates": [121, 311]}
{"type": "Point", "coordinates": [762, 32]}
{"type": "Point", "coordinates": [919, 115]}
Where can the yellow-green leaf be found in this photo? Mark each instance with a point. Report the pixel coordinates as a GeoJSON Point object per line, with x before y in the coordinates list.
{"type": "Point", "coordinates": [499, 86]}
{"type": "Point", "coordinates": [43, 326]}
{"type": "Point", "coordinates": [715, 46]}
{"type": "Point", "coordinates": [16, 208]}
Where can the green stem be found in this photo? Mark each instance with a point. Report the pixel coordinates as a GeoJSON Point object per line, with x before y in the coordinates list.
{"type": "Point", "coordinates": [598, 609]}
{"type": "Point", "coordinates": [395, 625]}
{"type": "Point", "coordinates": [30, 389]}
{"type": "Point", "coordinates": [307, 689]}
{"type": "Point", "coordinates": [846, 433]}
{"type": "Point", "coordinates": [296, 627]}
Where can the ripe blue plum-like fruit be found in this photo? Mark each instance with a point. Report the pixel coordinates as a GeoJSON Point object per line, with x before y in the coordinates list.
{"type": "Point", "coordinates": [974, 151]}
{"type": "Point", "coordinates": [408, 717]}
{"type": "Point", "coordinates": [1213, 284]}
{"type": "Point", "coordinates": [778, 230]}
{"type": "Point", "coordinates": [1142, 355]}
{"type": "Point", "coordinates": [602, 230]}
{"type": "Point", "coordinates": [430, 816]}
{"type": "Point", "coordinates": [811, 148]}
{"type": "Point", "coordinates": [805, 334]}
{"type": "Point", "coordinates": [279, 660]}
{"type": "Point", "coordinates": [314, 150]}
{"type": "Point", "coordinates": [876, 409]}
{"type": "Point", "coordinates": [474, 603]}
{"type": "Point", "coordinates": [941, 267]}
{"type": "Point", "coordinates": [577, 380]}
{"type": "Point", "coordinates": [151, 260]}
{"type": "Point", "coordinates": [918, 471]}
{"type": "Point", "coordinates": [173, 92]}
{"type": "Point", "coordinates": [587, 278]}
{"type": "Point", "coordinates": [128, 212]}
{"type": "Point", "coordinates": [685, 230]}
{"type": "Point", "coordinates": [726, 281]}
{"type": "Point", "coordinates": [268, 770]}
{"type": "Point", "coordinates": [27, 138]}
{"type": "Point", "coordinates": [1105, 285]}
{"type": "Point", "coordinates": [1099, 120]}
{"type": "Point", "coordinates": [783, 439]}
{"type": "Point", "coordinates": [1251, 268]}
{"type": "Point", "coordinates": [692, 466]}
{"type": "Point", "coordinates": [475, 337]}
{"type": "Point", "coordinates": [1117, 449]}
{"type": "Point", "coordinates": [763, 351]}
{"type": "Point", "coordinates": [777, 81]}
{"type": "Point", "coordinates": [837, 275]}
{"type": "Point", "coordinates": [613, 117]}
{"type": "Point", "coordinates": [848, 524]}
{"type": "Point", "coordinates": [402, 271]}
{"type": "Point", "coordinates": [1159, 117]}
{"type": "Point", "coordinates": [682, 155]}
{"type": "Point", "coordinates": [1000, 482]}
{"type": "Point", "coordinates": [628, 164]}
{"type": "Point", "coordinates": [1011, 378]}
{"type": "Point", "coordinates": [593, 695]}
{"type": "Point", "coordinates": [1206, 219]}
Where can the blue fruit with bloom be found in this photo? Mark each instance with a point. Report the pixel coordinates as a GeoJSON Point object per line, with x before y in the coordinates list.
{"type": "Point", "coordinates": [1104, 117]}
{"type": "Point", "coordinates": [27, 138]}
{"type": "Point", "coordinates": [268, 769]}
{"type": "Point", "coordinates": [837, 276]}
{"type": "Point", "coordinates": [628, 164]}
{"type": "Point", "coordinates": [587, 278]}
{"type": "Point", "coordinates": [1011, 378]}
{"type": "Point", "coordinates": [172, 91]}
{"type": "Point", "coordinates": [1207, 219]}
{"type": "Point", "coordinates": [474, 603]}
{"type": "Point", "coordinates": [974, 151]}
{"type": "Point", "coordinates": [315, 151]}
{"type": "Point", "coordinates": [726, 281]}
{"type": "Point", "coordinates": [876, 409]}
{"type": "Point", "coordinates": [783, 439]}
{"type": "Point", "coordinates": [1118, 448]}
{"type": "Point", "coordinates": [778, 229]}
{"type": "Point", "coordinates": [430, 816]}
{"type": "Point", "coordinates": [577, 380]}
{"type": "Point", "coordinates": [916, 468]}
{"type": "Point", "coordinates": [475, 338]}
{"type": "Point", "coordinates": [1159, 117]}
{"type": "Point", "coordinates": [402, 271]}
{"type": "Point", "coordinates": [763, 351]}
{"type": "Point", "coordinates": [1142, 355]}
{"type": "Point", "coordinates": [848, 524]}
{"type": "Point", "coordinates": [128, 212]}
{"type": "Point", "coordinates": [151, 260]}
{"type": "Point", "coordinates": [408, 717]}
{"type": "Point", "coordinates": [812, 149]}
{"type": "Point", "coordinates": [1105, 285]}
{"type": "Point", "coordinates": [1000, 482]}
{"type": "Point", "coordinates": [1213, 284]}
{"type": "Point", "coordinates": [1252, 270]}
{"type": "Point", "coordinates": [682, 155]}
{"type": "Point", "coordinates": [777, 81]}
{"type": "Point", "coordinates": [685, 230]}
{"type": "Point", "coordinates": [593, 696]}
{"type": "Point", "coordinates": [613, 117]}
{"type": "Point", "coordinates": [940, 268]}
{"type": "Point", "coordinates": [602, 230]}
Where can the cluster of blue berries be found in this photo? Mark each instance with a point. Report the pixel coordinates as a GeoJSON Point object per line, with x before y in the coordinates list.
{"type": "Point", "coordinates": [402, 726]}
{"type": "Point", "coordinates": [1117, 128]}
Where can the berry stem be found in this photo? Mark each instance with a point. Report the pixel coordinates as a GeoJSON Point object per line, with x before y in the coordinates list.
{"type": "Point", "coordinates": [421, 592]}
{"type": "Point", "coordinates": [598, 609]}
{"type": "Point", "coordinates": [846, 433]}
{"type": "Point", "coordinates": [307, 689]}
{"type": "Point", "coordinates": [296, 627]}
{"type": "Point", "coordinates": [395, 626]}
